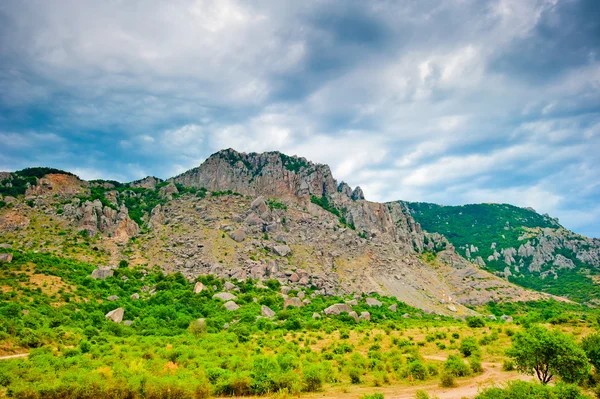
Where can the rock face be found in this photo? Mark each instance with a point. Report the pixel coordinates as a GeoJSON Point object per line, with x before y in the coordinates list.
{"type": "Point", "coordinates": [116, 315]}
{"type": "Point", "coordinates": [146, 182]}
{"type": "Point", "coordinates": [271, 174]}
{"type": "Point", "coordinates": [95, 217]}
{"type": "Point", "coordinates": [102, 273]}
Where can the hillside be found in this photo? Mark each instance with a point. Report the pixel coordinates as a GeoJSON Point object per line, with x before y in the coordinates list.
{"type": "Point", "coordinates": [527, 248]}
{"type": "Point", "coordinates": [251, 216]}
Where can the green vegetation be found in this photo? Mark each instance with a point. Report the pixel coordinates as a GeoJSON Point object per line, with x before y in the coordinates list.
{"type": "Point", "coordinates": [526, 390]}
{"type": "Point", "coordinates": [276, 204]}
{"type": "Point", "coordinates": [549, 354]}
{"type": "Point", "coordinates": [22, 179]}
{"type": "Point", "coordinates": [482, 225]}
{"type": "Point", "coordinates": [324, 203]}
{"type": "Point", "coordinates": [293, 164]}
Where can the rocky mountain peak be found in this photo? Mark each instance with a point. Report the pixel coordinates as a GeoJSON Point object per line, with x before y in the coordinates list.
{"type": "Point", "coordinates": [269, 173]}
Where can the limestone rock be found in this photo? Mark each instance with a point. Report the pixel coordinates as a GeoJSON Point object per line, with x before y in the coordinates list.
{"type": "Point", "coordinates": [365, 316]}
{"type": "Point", "coordinates": [199, 287]}
{"type": "Point", "coordinates": [282, 250]}
{"type": "Point", "coordinates": [135, 297]}
{"type": "Point", "coordinates": [225, 296]}
{"type": "Point", "coordinates": [285, 289]}
{"type": "Point", "coordinates": [345, 189]}
{"type": "Point", "coordinates": [127, 323]}
{"type": "Point", "coordinates": [354, 315]}
{"type": "Point", "coordinates": [393, 308]}
{"type": "Point", "coordinates": [259, 205]}
{"type": "Point", "coordinates": [238, 235]}
{"type": "Point", "coordinates": [6, 258]}
{"type": "Point", "coordinates": [292, 302]}
{"type": "Point", "coordinates": [337, 309]}
{"type": "Point", "coordinates": [357, 194]}
{"type": "Point", "coordinates": [116, 315]}
{"type": "Point", "coordinates": [102, 273]}
{"type": "Point", "coordinates": [113, 298]}
{"type": "Point", "coordinates": [506, 318]}
{"type": "Point", "coordinates": [266, 311]}
{"type": "Point", "coordinates": [5, 246]}
{"type": "Point", "coordinates": [373, 302]}
{"type": "Point", "coordinates": [229, 286]}
{"type": "Point", "coordinates": [231, 306]}
{"type": "Point", "coordinates": [316, 316]}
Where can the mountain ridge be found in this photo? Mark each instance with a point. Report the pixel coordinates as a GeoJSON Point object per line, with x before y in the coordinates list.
{"type": "Point", "coordinates": [256, 215]}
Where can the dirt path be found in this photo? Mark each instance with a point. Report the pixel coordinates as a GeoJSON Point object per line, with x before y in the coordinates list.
{"type": "Point", "coordinates": [6, 357]}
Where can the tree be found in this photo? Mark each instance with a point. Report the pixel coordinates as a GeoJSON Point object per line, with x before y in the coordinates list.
{"type": "Point", "coordinates": [548, 353]}
{"type": "Point", "coordinates": [591, 346]}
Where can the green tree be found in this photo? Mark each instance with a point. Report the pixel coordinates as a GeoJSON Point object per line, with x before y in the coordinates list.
{"type": "Point", "coordinates": [548, 353]}
{"type": "Point", "coordinates": [591, 346]}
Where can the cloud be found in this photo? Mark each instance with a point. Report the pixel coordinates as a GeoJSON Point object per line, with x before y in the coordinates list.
{"type": "Point", "coordinates": [439, 101]}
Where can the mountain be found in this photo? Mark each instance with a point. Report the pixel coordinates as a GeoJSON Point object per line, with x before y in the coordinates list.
{"type": "Point", "coordinates": [262, 216]}
{"type": "Point", "coordinates": [519, 244]}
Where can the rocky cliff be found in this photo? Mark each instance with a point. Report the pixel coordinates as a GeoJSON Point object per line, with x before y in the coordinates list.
{"type": "Point", "coordinates": [265, 216]}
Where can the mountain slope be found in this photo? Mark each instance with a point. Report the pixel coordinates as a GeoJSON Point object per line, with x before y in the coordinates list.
{"type": "Point", "coordinates": [252, 216]}
{"type": "Point", "coordinates": [530, 249]}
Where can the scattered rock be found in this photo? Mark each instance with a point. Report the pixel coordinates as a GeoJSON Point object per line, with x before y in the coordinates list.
{"type": "Point", "coordinates": [393, 308]}
{"type": "Point", "coordinates": [199, 287]}
{"type": "Point", "coordinates": [231, 306]}
{"type": "Point", "coordinates": [116, 315]}
{"type": "Point", "coordinates": [127, 323]}
{"type": "Point", "coordinates": [365, 316]}
{"type": "Point", "coordinates": [292, 302]}
{"type": "Point", "coordinates": [336, 309]}
{"type": "Point", "coordinates": [354, 315]}
{"type": "Point", "coordinates": [135, 297]}
{"type": "Point", "coordinates": [373, 302]}
{"type": "Point", "coordinates": [266, 311]}
{"type": "Point", "coordinates": [406, 316]}
{"type": "Point", "coordinates": [316, 316]}
{"type": "Point", "coordinates": [5, 246]}
{"type": "Point", "coordinates": [238, 235]}
{"type": "Point", "coordinates": [353, 302]}
{"type": "Point", "coordinates": [492, 317]}
{"type": "Point", "coordinates": [285, 290]}
{"type": "Point", "coordinates": [225, 296]}
{"type": "Point", "coordinates": [229, 286]}
{"type": "Point", "coordinates": [102, 273]}
{"type": "Point", "coordinates": [7, 258]}
{"type": "Point", "coordinates": [506, 318]}
{"type": "Point", "coordinates": [301, 295]}
{"type": "Point", "coordinates": [113, 298]}
{"type": "Point", "coordinates": [452, 308]}
{"type": "Point", "coordinates": [282, 250]}
{"type": "Point", "coordinates": [259, 205]}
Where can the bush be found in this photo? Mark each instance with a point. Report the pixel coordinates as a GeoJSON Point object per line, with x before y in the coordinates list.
{"type": "Point", "coordinates": [456, 366]}
{"type": "Point", "coordinates": [417, 370]}
{"type": "Point", "coordinates": [522, 389]}
{"type": "Point", "coordinates": [355, 374]}
{"type": "Point", "coordinates": [468, 346]}
{"type": "Point", "coordinates": [475, 364]}
{"type": "Point", "coordinates": [372, 396]}
{"type": "Point", "coordinates": [475, 322]}
{"type": "Point", "coordinates": [447, 380]}
{"type": "Point", "coordinates": [312, 377]}
{"type": "Point", "coordinates": [508, 365]}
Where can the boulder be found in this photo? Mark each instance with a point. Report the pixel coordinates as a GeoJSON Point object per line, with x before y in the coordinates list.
{"type": "Point", "coordinates": [5, 246]}
{"type": "Point", "coordinates": [365, 316]}
{"type": "Point", "coordinates": [373, 302]}
{"type": "Point", "coordinates": [306, 301]}
{"type": "Point", "coordinates": [259, 205]}
{"type": "Point", "coordinates": [452, 308]}
{"type": "Point", "coordinates": [102, 273]}
{"type": "Point", "coordinates": [135, 297]}
{"type": "Point", "coordinates": [113, 298]}
{"type": "Point", "coordinates": [127, 323]}
{"type": "Point", "coordinates": [393, 308]}
{"type": "Point", "coordinates": [301, 295]}
{"type": "Point", "coordinates": [7, 258]}
{"type": "Point", "coordinates": [316, 316]}
{"type": "Point", "coordinates": [231, 306]}
{"type": "Point", "coordinates": [253, 220]}
{"type": "Point", "coordinates": [492, 317]}
{"type": "Point", "coordinates": [199, 287]}
{"type": "Point", "coordinates": [506, 318]}
{"type": "Point", "coordinates": [336, 309]}
{"type": "Point", "coordinates": [229, 286]}
{"type": "Point", "coordinates": [282, 250]}
{"type": "Point", "coordinates": [238, 235]}
{"type": "Point", "coordinates": [406, 316]}
{"type": "Point", "coordinates": [353, 302]}
{"type": "Point", "coordinates": [294, 277]}
{"type": "Point", "coordinates": [354, 315]}
{"type": "Point", "coordinates": [285, 290]}
{"type": "Point", "coordinates": [224, 296]}
{"type": "Point", "coordinates": [266, 311]}
{"type": "Point", "coordinates": [292, 302]}
{"type": "Point", "coordinates": [116, 315]}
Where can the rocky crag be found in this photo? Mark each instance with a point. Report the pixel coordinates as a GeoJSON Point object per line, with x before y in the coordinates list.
{"type": "Point", "coordinates": [262, 216]}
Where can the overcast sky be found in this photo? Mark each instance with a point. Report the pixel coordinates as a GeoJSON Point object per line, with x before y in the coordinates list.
{"type": "Point", "coordinates": [450, 102]}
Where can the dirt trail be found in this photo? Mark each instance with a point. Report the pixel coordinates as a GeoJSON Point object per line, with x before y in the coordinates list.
{"type": "Point", "coordinates": [14, 356]}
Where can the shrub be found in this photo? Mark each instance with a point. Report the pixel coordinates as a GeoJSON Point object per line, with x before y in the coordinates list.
{"type": "Point", "coordinates": [354, 373]}
{"type": "Point", "coordinates": [312, 377]}
{"type": "Point", "coordinates": [468, 346]}
{"type": "Point", "coordinates": [475, 322]}
{"type": "Point", "coordinates": [508, 365]}
{"type": "Point", "coordinates": [417, 370]}
{"type": "Point", "coordinates": [447, 380]}
{"type": "Point", "coordinates": [475, 364]}
{"type": "Point", "coordinates": [456, 366]}
{"type": "Point", "coordinates": [372, 396]}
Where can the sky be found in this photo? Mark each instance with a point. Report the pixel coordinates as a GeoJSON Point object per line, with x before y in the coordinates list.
{"type": "Point", "coordinates": [450, 101]}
